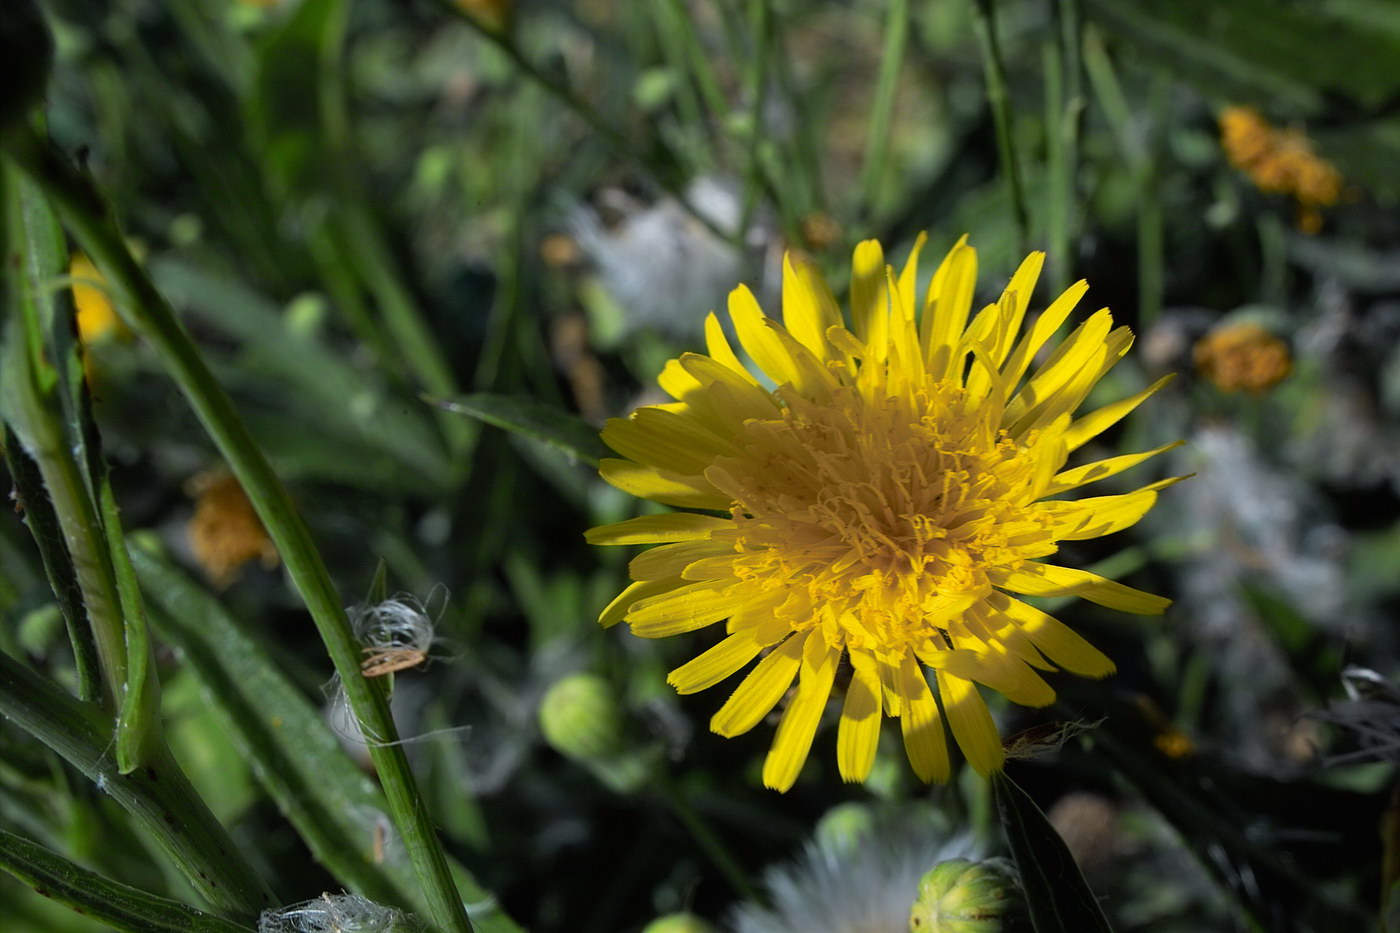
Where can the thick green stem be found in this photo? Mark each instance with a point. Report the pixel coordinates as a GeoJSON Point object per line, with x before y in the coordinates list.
{"type": "Point", "coordinates": [157, 795]}
{"type": "Point", "coordinates": [86, 214]}
{"type": "Point", "coordinates": [101, 898]}
{"type": "Point", "coordinates": [984, 24]}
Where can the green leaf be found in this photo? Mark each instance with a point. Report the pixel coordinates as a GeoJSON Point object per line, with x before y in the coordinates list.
{"type": "Point", "coordinates": [1251, 50]}
{"type": "Point", "coordinates": [101, 898]}
{"type": "Point", "coordinates": [534, 420]}
{"type": "Point", "coordinates": [1056, 893]}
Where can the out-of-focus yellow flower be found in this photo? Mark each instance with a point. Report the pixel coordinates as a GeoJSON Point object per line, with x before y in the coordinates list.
{"type": "Point", "coordinates": [225, 532]}
{"type": "Point", "coordinates": [493, 14]}
{"type": "Point", "coordinates": [888, 502]}
{"type": "Point", "coordinates": [1242, 357]}
{"type": "Point", "coordinates": [97, 319]}
{"type": "Point", "coordinates": [1280, 161]}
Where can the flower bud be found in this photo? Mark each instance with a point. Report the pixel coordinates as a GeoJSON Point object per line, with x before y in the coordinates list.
{"type": "Point", "coordinates": [679, 923]}
{"type": "Point", "coordinates": [580, 718]}
{"type": "Point", "coordinates": [962, 896]}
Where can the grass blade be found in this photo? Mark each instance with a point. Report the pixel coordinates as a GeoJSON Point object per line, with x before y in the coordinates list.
{"type": "Point", "coordinates": [122, 906]}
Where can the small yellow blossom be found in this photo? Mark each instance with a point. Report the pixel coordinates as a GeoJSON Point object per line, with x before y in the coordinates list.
{"type": "Point", "coordinates": [224, 532]}
{"type": "Point", "coordinates": [887, 505]}
{"type": "Point", "coordinates": [97, 319]}
{"type": "Point", "coordinates": [1242, 357]}
{"type": "Point", "coordinates": [1280, 161]}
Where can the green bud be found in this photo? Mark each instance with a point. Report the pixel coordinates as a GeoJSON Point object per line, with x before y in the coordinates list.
{"type": "Point", "coordinates": [580, 718]}
{"type": "Point", "coordinates": [26, 55]}
{"type": "Point", "coordinates": [962, 896]}
{"type": "Point", "coordinates": [679, 923]}
{"type": "Point", "coordinates": [844, 825]}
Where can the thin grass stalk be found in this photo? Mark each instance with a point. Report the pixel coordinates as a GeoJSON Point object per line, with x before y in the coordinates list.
{"type": "Point", "coordinates": [984, 24]}
{"type": "Point", "coordinates": [878, 141]}
{"type": "Point", "coordinates": [1058, 182]}
{"type": "Point", "coordinates": [87, 215]}
{"type": "Point", "coordinates": [760, 19]}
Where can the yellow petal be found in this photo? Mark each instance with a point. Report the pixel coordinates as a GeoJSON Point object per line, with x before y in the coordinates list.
{"type": "Point", "coordinates": [1042, 330]}
{"type": "Point", "coordinates": [694, 492]}
{"type": "Point", "coordinates": [656, 437]}
{"type": "Point", "coordinates": [909, 279]}
{"type": "Point", "coordinates": [799, 724]}
{"type": "Point", "coordinates": [1081, 352]}
{"type": "Point", "coordinates": [761, 690]}
{"type": "Point", "coordinates": [869, 299]}
{"type": "Point", "coordinates": [717, 346]}
{"type": "Point", "coordinates": [669, 560]}
{"type": "Point", "coordinates": [616, 610]}
{"type": "Point", "coordinates": [858, 736]}
{"type": "Point", "coordinates": [1057, 641]}
{"type": "Point", "coordinates": [808, 305]}
{"type": "Point", "coordinates": [657, 529]}
{"type": "Point", "coordinates": [1014, 302]}
{"type": "Point", "coordinates": [1050, 580]}
{"type": "Point", "coordinates": [1100, 420]}
{"type": "Point", "coordinates": [1081, 519]}
{"type": "Point", "coordinates": [685, 609]}
{"type": "Point", "coordinates": [924, 741]}
{"type": "Point", "coordinates": [1102, 469]}
{"type": "Point", "coordinates": [971, 723]}
{"type": "Point", "coordinates": [950, 297]}
{"type": "Point", "coordinates": [676, 382]}
{"type": "Point", "coordinates": [722, 660]}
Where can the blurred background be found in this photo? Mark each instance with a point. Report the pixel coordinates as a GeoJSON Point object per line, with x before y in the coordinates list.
{"type": "Point", "coordinates": [529, 206]}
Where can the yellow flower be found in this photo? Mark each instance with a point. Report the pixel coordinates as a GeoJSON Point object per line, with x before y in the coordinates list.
{"type": "Point", "coordinates": [224, 532]}
{"type": "Point", "coordinates": [1242, 357]}
{"type": "Point", "coordinates": [886, 503]}
{"type": "Point", "coordinates": [97, 319]}
{"type": "Point", "coordinates": [1280, 161]}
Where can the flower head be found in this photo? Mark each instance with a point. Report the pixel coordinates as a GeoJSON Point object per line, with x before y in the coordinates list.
{"type": "Point", "coordinates": [1243, 357]}
{"type": "Point", "coordinates": [885, 504]}
{"type": "Point", "coordinates": [1280, 161]}
{"type": "Point", "coordinates": [224, 532]}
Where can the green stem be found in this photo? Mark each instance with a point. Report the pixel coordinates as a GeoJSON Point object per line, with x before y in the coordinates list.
{"type": "Point", "coordinates": [878, 142]}
{"type": "Point", "coordinates": [101, 898]}
{"type": "Point", "coordinates": [1064, 109]}
{"type": "Point", "coordinates": [87, 215]}
{"type": "Point", "coordinates": [718, 853]}
{"type": "Point", "coordinates": [607, 133]}
{"type": "Point", "coordinates": [984, 24]}
{"type": "Point", "coordinates": [760, 34]}
{"type": "Point", "coordinates": [157, 795]}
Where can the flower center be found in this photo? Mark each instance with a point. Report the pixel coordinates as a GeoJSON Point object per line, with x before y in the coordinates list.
{"type": "Point", "coordinates": [877, 522]}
